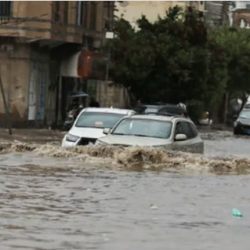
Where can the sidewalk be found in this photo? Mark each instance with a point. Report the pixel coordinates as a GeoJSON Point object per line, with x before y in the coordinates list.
{"type": "Point", "coordinates": [32, 135]}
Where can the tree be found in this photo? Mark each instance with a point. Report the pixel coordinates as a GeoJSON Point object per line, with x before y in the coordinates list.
{"type": "Point", "coordinates": [170, 60]}
{"type": "Point", "coordinates": [236, 43]}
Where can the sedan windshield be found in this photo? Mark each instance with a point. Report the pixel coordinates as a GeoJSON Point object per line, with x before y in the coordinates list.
{"type": "Point", "coordinates": [144, 127]}
{"type": "Point", "coordinates": [98, 120]}
{"type": "Point", "coordinates": [245, 114]}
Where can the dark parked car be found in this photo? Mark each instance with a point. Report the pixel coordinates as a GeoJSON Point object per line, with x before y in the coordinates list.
{"type": "Point", "coordinates": [242, 123]}
{"type": "Point", "coordinates": [163, 108]}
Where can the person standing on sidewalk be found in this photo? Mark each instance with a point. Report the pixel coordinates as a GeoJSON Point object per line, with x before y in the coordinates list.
{"type": "Point", "coordinates": [94, 103]}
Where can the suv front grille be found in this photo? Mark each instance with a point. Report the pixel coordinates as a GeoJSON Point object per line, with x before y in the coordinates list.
{"type": "Point", "coordinates": [86, 141]}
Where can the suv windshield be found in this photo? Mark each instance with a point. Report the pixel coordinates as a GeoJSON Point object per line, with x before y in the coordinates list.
{"type": "Point", "coordinates": [98, 120]}
{"type": "Point", "coordinates": [144, 127]}
{"type": "Point", "coordinates": [245, 114]}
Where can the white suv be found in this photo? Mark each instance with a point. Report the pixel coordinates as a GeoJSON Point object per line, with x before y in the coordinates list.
{"type": "Point", "coordinates": [89, 125]}
{"type": "Point", "coordinates": [170, 132]}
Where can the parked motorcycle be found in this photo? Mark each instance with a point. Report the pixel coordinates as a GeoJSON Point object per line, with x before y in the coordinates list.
{"type": "Point", "coordinates": [71, 116]}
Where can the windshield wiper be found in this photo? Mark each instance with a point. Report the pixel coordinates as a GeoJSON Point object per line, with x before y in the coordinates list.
{"type": "Point", "coordinates": [141, 135]}
{"type": "Point", "coordinates": [118, 134]}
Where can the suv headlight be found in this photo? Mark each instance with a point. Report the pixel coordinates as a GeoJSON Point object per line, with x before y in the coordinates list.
{"type": "Point", "coordinates": [236, 123]}
{"type": "Point", "coordinates": [71, 138]}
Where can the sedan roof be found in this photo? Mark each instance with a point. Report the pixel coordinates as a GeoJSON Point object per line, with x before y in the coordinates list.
{"type": "Point", "coordinates": [108, 110]}
{"type": "Point", "coordinates": [152, 117]}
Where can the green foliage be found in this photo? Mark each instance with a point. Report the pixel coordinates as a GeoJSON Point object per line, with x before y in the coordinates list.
{"type": "Point", "coordinates": [177, 58]}
{"type": "Point", "coordinates": [236, 43]}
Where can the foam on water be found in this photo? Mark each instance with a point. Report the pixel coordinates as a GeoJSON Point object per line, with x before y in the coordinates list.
{"type": "Point", "coordinates": [131, 157]}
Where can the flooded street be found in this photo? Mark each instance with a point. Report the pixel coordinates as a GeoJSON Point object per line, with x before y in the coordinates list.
{"type": "Point", "coordinates": [53, 199]}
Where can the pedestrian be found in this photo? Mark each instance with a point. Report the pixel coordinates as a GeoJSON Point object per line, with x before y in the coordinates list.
{"type": "Point", "coordinates": [78, 110]}
{"type": "Point", "coordinates": [94, 103]}
{"type": "Point", "coordinates": [73, 105]}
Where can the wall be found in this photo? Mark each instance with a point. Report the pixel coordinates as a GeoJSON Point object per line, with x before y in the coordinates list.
{"type": "Point", "coordinates": [32, 20]}
{"type": "Point", "coordinates": [14, 68]}
{"type": "Point", "coordinates": [26, 77]}
{"type": "Point", "coordinates": [114, 96]}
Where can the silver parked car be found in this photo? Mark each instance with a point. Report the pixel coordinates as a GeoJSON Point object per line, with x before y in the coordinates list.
{"type": "Point", "coordinates": [173, 133]}
{"type": "Point", "coordinates": [242, 123]}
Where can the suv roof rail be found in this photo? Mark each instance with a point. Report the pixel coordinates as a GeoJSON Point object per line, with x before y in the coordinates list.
{"type": "Point", "coordinates": [162, 114]}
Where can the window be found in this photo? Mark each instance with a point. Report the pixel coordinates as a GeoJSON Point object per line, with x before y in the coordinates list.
{"type": "Point", "coordinates": [57, 11]}
{"type": "Point", "coordinates": [98, 120]}
{"type": "Point", "coordinates": [184, 128]}
{"type": "Point", "coordinates": [109, 14]}
{"type": "Point", "coordinates": [82, 13]}
{"type": "Point", "coordinates": [144, 128]}
{"type": "Point", "coordinates": [109, 9]}
{"type": "Point", "coordinates": [92, 24]}
{"type": "Point", "coordinates": [79, 16]}
{"type": "Point", "coordinates": [174, 110]}
{"type": "Point", "coordinates": [151, 110]}
{"type": "Point", "coordinates": [5, 8]}
{"type": "Point", "coordinates": [245, 114]}
{"type": "Point", "coordinates": [66, 12]}
{"type": "Point", "coordinates": [193, 129]}
{"type": "Point", "coordinates": [85, 14]}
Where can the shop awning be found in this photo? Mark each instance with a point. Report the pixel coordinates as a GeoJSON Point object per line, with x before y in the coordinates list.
{"type": "Point", "coordinates": [84, 64]}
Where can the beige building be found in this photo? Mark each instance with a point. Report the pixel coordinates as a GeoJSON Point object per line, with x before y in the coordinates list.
{"type": "Point", "coordinates": [35, 39]}
{"type": "Point", "coordinates": [132, 10]}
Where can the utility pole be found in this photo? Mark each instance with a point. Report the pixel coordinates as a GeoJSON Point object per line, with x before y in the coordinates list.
{"type": "Point", "coordinates": [108, 35]}
{"type": "Point", "coordinates": [107, 74]}
{"type": "Point", "coordinates": [7, 113]}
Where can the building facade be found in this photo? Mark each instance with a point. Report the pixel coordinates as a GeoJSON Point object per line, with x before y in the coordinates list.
{"type": "Point", "coordinates": [132, 10]}
{"type": "Point", "coordinates": [35, 38]}
{"type": "Point", "coordinates": [240, 14]}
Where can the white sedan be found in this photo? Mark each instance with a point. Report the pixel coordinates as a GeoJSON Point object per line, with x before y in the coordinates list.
{"type": "Point", "coordinates": [89, 125]}
{"type": "Point", "coordinates": [173, 133]}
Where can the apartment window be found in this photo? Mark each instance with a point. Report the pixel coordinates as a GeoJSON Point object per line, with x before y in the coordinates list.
{"type": "Point", "coordinates": [109, 9]}
{"type": "Point", "coordinates": [5, 8]}
{"type": "Point", "coordinates": [93, 8]}
{"type": "Point", "coordinates": [109, 14]}
{"type": "Point", "coordinates": [79, 15]}
{"type": "Point", "coordinates": [85, 14]}
{"type": "Point", "coordinates": [82, 13]}
{"type": "Point", "coordinates": [66, 12]}
{"type": "Point", "coordinates": [57, 11]}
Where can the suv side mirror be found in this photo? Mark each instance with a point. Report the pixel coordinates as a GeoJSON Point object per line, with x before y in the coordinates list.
{"type": "Point", "coordinates": [235, 117]}
{"type": "Point", "coordinates": [106, 131]}
{"type": "Point", "coordinates": [180, 137]}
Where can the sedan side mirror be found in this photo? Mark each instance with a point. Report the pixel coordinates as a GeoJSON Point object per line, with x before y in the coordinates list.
{"type": "Point", "coordinates": [106, 131]}
{"type": "Point", "coordinates": [180, 137]}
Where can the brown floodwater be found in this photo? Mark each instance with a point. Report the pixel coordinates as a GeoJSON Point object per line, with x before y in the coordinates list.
{"type": "Point", "coordinates": [96, 198]}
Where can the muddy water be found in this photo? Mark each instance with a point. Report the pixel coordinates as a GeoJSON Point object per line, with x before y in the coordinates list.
{"type": "Point", "coordinates": [125, 199]}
